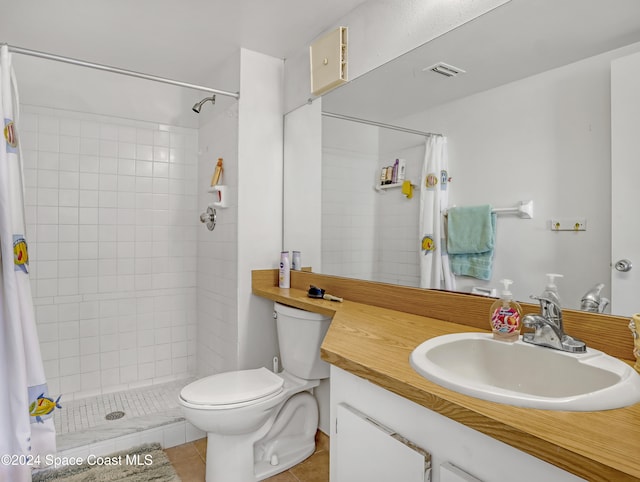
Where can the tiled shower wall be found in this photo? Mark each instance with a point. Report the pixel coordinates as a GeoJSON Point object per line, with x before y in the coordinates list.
{"type": "Point", "coordinates": [398, 231]}
{"type": "Point", "coordinates": [368, 234]}
{"type": "Point", "coordinates": [217, 284]}
{"type": "Point", "coordinates": [111, 224]}
{"type": "Point", "coordinates": [348, 214]}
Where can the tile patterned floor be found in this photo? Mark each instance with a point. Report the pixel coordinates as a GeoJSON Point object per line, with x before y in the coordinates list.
{"type": "Point", "coordinates": [81, 423]}
{"type": "Point", "coordinates": [189, 462]}
{"type": "Point", "coordinates": [87, 413]}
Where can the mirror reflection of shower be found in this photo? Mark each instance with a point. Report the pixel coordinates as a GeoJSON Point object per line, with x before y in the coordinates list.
{"type": "Point", "coordinates": [198, 105]}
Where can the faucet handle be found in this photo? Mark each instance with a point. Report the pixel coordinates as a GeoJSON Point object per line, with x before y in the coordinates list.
{"type": "Point", "coordinates": [538, 297]}
{"type": "Point", "coordinates": [549, 308]}
{"type": "Point", "coordinates": [544, 301]}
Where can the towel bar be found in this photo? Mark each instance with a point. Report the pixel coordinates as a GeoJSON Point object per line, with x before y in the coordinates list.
{"type": "Point", "coordinates": [524, 210]}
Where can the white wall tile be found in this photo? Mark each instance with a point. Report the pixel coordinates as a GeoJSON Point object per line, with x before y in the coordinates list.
{"type": "Point", "coordinates": [70, 144]}
{"type": "Point", "coordinates": [48, 142]}
{"type": "Point", "coordinates": [69, 162]}
{"type": "Point", "coordinates": [48, 160]}
{"type": "Point", "coordinates": [144, 153]}
{"type": "Point", "coordinates": [89, 163]}
{"type": "Point", "coordinates": [98, 209]}
{"type": "Point", "coordinates": [89, 147]}
{"type": "Point", "coordinates": [69, 127]}
{"type": "Point", "coordinates": [90, 347]}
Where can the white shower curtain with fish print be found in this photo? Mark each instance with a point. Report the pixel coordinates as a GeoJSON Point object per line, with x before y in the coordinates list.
{"type": "Point", "coordinates": [435, 271]}
{"type": "Point", "coordinates": [27, 433]}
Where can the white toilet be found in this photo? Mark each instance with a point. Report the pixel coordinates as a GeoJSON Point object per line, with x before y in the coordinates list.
{"type": "Point", "coordinates": [259, 423]}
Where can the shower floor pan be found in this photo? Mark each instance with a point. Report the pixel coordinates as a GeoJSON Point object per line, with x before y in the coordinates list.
{"type": "Point", "coordinates": [95, 419]}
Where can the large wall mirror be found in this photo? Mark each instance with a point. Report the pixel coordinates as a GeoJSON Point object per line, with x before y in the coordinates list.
{"type": "Point", "coordinates": [528, 119]}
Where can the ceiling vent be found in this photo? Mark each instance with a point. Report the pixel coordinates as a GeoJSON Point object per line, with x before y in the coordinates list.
{"type": "Point", "coordinates": [444, 69]}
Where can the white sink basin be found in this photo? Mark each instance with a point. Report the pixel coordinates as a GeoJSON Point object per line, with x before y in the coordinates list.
{"type": "Point", "coordinates": [526, 375]}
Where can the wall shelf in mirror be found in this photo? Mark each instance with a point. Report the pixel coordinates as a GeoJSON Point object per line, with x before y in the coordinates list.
{"type": "Point", "coordinates": [384, 187]}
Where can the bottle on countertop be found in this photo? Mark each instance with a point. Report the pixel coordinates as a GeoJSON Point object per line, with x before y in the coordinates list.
{"type": "Point", "coordinates": [296, 263]}
{"type": "Point", "coordinates": [284, 278]}
{"type": "Point", "coordinates": [506, 315]}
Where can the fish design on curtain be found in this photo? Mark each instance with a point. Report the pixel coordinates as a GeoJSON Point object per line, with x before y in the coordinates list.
{"type": "Point", "coordinates": [28, 433]}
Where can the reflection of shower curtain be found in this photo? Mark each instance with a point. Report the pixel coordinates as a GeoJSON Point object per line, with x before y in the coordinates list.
{"type": "Point", "coordinates": [434, 262]}
{"type": "Point", "coordinates": [25, 419]}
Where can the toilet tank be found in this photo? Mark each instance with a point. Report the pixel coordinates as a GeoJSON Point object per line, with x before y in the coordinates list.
{"type": "Point", "coordinates": [300, 334]}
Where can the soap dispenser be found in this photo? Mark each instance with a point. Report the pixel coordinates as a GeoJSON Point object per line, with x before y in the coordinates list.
{"type": "Point", "coordinates": [551, 290]}
{"type": "Point", "coordinates": [551, 310]}
{"type": "Point", "coordinates": [506, 315]}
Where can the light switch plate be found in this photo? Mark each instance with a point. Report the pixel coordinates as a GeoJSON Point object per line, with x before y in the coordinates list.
{"type": "Point", "coordinates": [328, 59]}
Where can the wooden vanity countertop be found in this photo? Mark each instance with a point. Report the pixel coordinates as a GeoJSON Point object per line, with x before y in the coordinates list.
{"type": "Point", "coordinates": [374, 343]}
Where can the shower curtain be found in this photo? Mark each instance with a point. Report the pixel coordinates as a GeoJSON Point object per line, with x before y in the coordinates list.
{"type": "Point", "coordinates": [27, 433]}
{"type": "Point", "coordinates": [434, 261]}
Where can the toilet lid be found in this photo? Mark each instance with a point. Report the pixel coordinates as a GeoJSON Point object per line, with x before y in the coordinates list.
{"type": "Point", "coordinates": [233, 387]}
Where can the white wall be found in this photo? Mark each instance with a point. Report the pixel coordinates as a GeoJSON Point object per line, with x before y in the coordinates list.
{"type": "Point", "coordinates": [110, 202]}
{"type": "Point", "coordinates": [545, 138]}
{"type": "Point", "coordinates": [380, 31]}
{"type": "Point", "coordinates": [217, 250]}
{"type": "Point", "coordinates": [236, 330]}
{"type": "Point", "coordinates": [260, 173]}
{"type": "Point", "coordinates": [59, 85]}
{"type": "Point", "coordinates": [302, 224]}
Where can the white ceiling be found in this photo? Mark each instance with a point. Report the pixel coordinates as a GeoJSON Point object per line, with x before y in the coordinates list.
{"type": "Point", "coordinates": [514, 41]}
{"type": "Point", "coordinates": [179, 39]}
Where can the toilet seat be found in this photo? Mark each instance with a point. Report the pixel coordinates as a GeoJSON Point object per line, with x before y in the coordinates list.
{"type": "Point", "coordinates": [233, 389]}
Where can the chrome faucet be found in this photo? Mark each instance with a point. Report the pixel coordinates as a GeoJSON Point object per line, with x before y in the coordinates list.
{"type": "Point", "coordinates": [592, 300]}
{"type": "Point", "coordinates": [549, 330]}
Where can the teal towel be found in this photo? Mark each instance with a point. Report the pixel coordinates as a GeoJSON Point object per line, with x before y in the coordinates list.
{"type": "Point", "coordinates": [470, 230]}
{"type": "Point", "coordinates": [476, 265]}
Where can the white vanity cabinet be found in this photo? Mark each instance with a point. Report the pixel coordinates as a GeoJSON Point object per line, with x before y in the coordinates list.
{"type": "Point", "coordinates": [365, 415]}
{"type": "Point", "coordinates": [384, 457]}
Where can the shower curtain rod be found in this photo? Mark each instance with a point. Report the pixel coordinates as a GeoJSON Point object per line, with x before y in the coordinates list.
{"type": "Point", "coordinates": [379, 124]}
{"type": "Point", "coordinates": [116, 70]}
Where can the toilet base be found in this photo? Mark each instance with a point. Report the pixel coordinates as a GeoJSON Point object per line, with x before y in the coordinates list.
{"type": "Point", "coordinates": [264, 470]}
{"type": "Point", "coordinates": [285, 440]}
{"type": "Point", "coordinates": [291, 439]}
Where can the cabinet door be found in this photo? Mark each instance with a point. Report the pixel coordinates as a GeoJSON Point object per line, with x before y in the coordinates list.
{"type": "Point", "coordinates": [367, 450]}
{"type": "Point", "coordinates": [451, 473]}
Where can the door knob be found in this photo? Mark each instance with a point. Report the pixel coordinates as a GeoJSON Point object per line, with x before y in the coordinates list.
{"type": "Point", "coordinates": [623, 265]}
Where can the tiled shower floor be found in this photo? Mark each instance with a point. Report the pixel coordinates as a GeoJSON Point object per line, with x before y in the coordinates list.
{"type": "Point", "coordinates": [82, 422]}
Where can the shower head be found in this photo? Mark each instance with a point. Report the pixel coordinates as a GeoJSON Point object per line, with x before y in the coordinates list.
{"type": "Point", "coordinates": [198, 105]}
